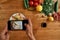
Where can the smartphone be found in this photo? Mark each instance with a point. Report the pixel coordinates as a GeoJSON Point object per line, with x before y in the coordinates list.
{"type": "Point", "coordinates": [17, 24]}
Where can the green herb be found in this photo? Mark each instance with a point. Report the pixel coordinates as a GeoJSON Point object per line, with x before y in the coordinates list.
{"type": "Point", "coordinates": [48, 7]}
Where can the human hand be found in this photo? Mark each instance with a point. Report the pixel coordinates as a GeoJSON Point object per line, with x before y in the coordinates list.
{"type": "Point", "coordinates": [29, 30]}
{"type": "Point", "coordinates": [4, 34]}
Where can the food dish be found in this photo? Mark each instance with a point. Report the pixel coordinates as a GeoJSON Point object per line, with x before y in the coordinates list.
{"type": "Point", "coordinates": [17, 16]}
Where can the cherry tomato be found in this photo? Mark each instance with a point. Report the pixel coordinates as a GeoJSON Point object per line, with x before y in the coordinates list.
{"type": "Point", "coordinates": [35, 4]}
{"type": "Point", "coordinates": [31, 3]}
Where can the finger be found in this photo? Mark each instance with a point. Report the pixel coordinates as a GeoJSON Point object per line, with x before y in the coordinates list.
{"type": "Point", "coordinates": [30, 23]}
{"type": "Point", "coordinates": [27, 26]}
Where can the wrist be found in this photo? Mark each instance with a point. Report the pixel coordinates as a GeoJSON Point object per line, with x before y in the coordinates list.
{"type": "Point", "coordinates": [33, 38]}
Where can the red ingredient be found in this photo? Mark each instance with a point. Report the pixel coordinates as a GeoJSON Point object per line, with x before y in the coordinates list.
{"type": "Point", "coordinates": [35, 4]}
{"type": "Point", "coordinates": [56, 16]}
{"type": "Point", "coordinates": [31, 3]}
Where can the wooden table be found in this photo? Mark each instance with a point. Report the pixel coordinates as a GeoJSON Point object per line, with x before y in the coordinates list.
{"type": "Point", "coordinates": [51, 32]}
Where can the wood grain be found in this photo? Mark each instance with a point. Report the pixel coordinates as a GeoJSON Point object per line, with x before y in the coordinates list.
{"type": "Point", "coordinates": [51, 32]}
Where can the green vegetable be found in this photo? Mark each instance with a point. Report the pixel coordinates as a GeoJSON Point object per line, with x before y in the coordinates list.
{"type": "Point", "coordinates": [26, 4]}
{"type": "Point", "coordinates": [56, 6]}
{"type": "Point", "coordinates": [47, 7]}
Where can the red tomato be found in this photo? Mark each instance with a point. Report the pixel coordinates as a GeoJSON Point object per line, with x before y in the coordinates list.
{"type": "Point", "coordinates": [35, 4]}
{"type": "Point", "coordinates": [31, 3]}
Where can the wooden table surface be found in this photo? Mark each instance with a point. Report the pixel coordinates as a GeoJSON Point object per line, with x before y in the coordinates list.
{"type": "Point", "coordinates": [51, 32]}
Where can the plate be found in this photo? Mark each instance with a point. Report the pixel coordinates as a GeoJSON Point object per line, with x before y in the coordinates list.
{"type": "Point", "coordinates": [17, 16]}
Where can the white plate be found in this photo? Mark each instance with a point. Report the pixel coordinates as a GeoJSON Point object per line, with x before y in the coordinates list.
{"type": "Point", "coordinates": [21, 15]}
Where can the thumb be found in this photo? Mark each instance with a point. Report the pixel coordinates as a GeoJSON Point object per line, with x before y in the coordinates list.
{"type": "Point", "coordinates": [26, 25]}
